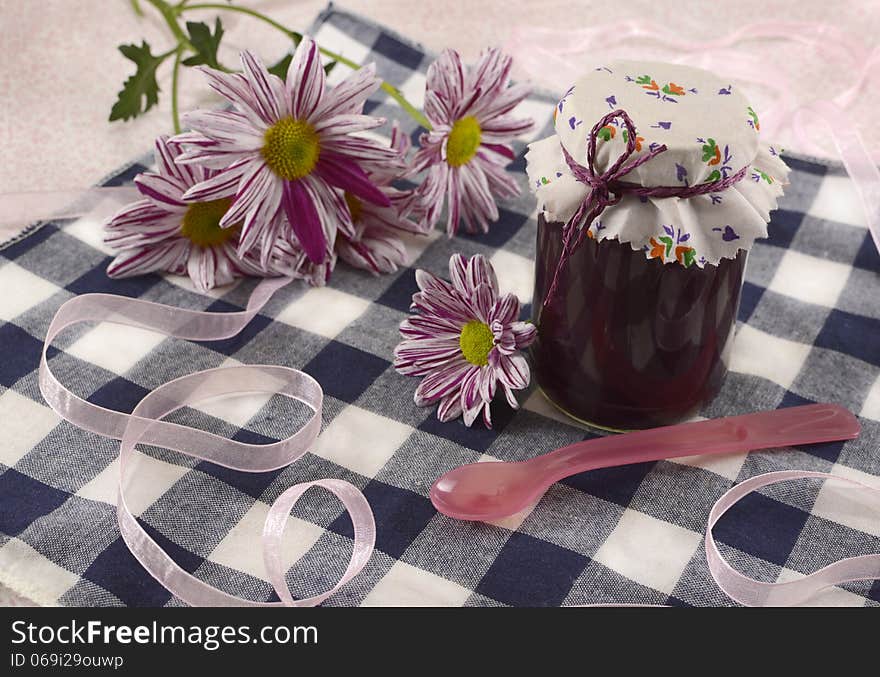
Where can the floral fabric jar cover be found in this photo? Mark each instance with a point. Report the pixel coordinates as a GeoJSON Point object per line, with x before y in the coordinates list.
{"type": "Point", "coordinates": [710, 132]}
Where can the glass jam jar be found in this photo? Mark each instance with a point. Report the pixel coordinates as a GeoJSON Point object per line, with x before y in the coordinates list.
{"type": "Point", "coordinates": [631, 342]}
{"type": "Point", "coordinates": [658, 174]}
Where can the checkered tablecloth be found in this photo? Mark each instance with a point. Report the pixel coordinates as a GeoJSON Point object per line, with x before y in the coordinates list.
{"type": "Point", "coordinates": [809, 331]}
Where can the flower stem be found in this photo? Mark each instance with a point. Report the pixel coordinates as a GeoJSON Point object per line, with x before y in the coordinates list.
{"type": "Point", "coordinates": [175, 72]}
{"type": "Point", "coordinates": [250, 12]}
{"type": "Point", "coordinates": [169, 13]}
{"type": "Point", "coordinates": [390, 89]}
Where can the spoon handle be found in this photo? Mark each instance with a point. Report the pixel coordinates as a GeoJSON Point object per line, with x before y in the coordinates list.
{"type": "Point", "coordinates": [776, 428]}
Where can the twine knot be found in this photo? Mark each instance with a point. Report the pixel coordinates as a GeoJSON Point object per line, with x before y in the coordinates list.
{"type": "Point", "coordinates": [608, 188]}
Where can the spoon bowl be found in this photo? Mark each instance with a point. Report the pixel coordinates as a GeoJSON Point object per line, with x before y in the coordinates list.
{"type": "Point", "coordinates": [483, 491]}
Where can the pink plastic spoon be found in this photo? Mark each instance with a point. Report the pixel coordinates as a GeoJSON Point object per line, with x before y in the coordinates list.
{"type": "Point", "coordinates": [489, 491]}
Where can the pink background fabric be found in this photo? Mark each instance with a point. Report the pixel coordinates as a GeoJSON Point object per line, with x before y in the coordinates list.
{"type": "Point", "coordinates": [60, 70]}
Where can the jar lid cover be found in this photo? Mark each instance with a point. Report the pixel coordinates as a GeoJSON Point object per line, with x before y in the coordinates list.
{"type": "Point", "coordinates": [710, 133]}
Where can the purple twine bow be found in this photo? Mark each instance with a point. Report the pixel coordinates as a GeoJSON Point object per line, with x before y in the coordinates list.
{"type": "Point", "coordinates": [608, 189]}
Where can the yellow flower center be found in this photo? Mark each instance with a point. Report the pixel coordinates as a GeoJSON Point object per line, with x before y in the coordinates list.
{"type": "Point", "coordinates": [201, 223]}
{"type": "Point", "coordinates": [291, 148]}
{"type": "Point", "coordinates": [355, 206]}
{"type": "Point", "coordinates": [463, 142]}
{"type": "Point", "coordinates": [476, 342]}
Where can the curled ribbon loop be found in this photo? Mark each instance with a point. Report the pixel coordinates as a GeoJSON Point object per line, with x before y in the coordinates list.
{"type": "Point", "coordinates": [750, 592]}
{"type": "Point", "coordinates": [609, 188]}
{"type": "Point", "coordinates": [364, 534]}
{"type": "Point", "coordinates": [145, 425]}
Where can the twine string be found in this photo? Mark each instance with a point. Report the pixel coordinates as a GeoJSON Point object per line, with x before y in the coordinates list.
{"type": "Point", "coordinates": [608, 188]}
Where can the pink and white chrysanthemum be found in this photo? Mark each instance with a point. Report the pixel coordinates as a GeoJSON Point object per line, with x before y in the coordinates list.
{"type": "Point", "coordinates": [468, 147]}
{"type": "Point", "coordinates": [376, 244]}
{"type": "Point", "coordinates": [465, 341]}
{"type": "Point", "coordinates": [287, 149]}
{"type": "Point", "coordinates": [164, 232]}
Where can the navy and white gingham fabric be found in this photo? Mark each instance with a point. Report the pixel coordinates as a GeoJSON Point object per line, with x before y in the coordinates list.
{"type": "Point", "coordinates": [809, 331]}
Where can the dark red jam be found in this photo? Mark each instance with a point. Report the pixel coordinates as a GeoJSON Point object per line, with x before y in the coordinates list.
{"type": "Point", "coordinates": [630, 342]}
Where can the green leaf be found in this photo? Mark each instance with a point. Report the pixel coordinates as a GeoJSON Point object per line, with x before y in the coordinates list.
{"type": "Point", "coordinates": [205, 43]}
{"type": "Point", "coordinates": [329, 66]}
{"type": "Point", "coordinates": [141, 91]}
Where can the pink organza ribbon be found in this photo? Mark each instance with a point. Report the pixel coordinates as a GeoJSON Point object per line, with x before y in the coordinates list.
{"type": "Point", "coordinates": [145, 425]}
{"type": "Point", "coordinates": [748, 591]}
{"type": "Point", "coordinates": [547, 55]}
{"type": "Point", "coordinates": [24, 207]}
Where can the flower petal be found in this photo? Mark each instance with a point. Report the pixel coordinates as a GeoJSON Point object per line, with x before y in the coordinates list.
{"type": "Point", "coordinates": [420, 326]}
{"type": "Point", "coordinates": [201, 266]}
{"type": "Point", "coordinates": [503, 102]}
{"type": "Point", "coordinates": [222, 184]}
{"type": "Point", "coordinates": [436, 108]}
{"type": "Point", "coordinates": [165, 154]}
{"type": "Point", "coordinates": [500, 181]}
{"type": "Point", "coordinates": [345, 174]}
{"type": "Point", "coordinates": [339, 125]}
{"type": "Point", "coordinates": [470, 390]}
{"type": "Point", "coordinates": [362, 149]}
{"type": "Point", "coordinates": [231, 129]}
{"type": "Point", "coordinates": [441, 382]}
{"type": "Point", "coordinates": [251, 189]}
{"type": "Point", "coordinates": [501, 129]}
{"type": "Point", "coordinates": [488, 382]}
{"type": "Point", "coordinates": [265, 221]}
{"type": "Point", "coordinates": [458, 273]}
{"type": "Point", "coordinates": [480, 271]}
{"type": "Point", "coordinates": [428, 282]}
{"type": "Point", "coordinates": [470, 415]}
{"type": "Point", "coordinates": [349, 95]}
{"type": "Point", "coordinates": [235, 88]}
{"type": "Point", "coordinates": [505, 343]}
{"type": "Point", "coordinates": [377, 250]}
{"type": "Point", "coordinates": [454, 201]}
{"type": "Point", "coordinates": [267, 88]}
{"type": "Point", "coordinates": [511, 398]}
{"type": "Point", "coordinates": [138, 261]}
{"type": "Point", "coordinates": [506, 310]}
{"type": "Point", "coordinates": [139, 214]}
{"type": "Point", "coordinates": [304, 220]}
{"type": "Point", "coordinates": [447, 306]}
{"type": "Point", "coordinates": [513, 371]}
{"type": "Point", "coordinates": [425, 350]}
{"type": "Point", "coordinates": [450, 408]}
{"type": "Point", "coordinates": [164, 189]}
{"type": "Point", "coordinates": [524, 333]}
{"type": "Point", "coordinates": [446, 76]}
{"type": "Point", "coordinates": [481, 301]}
{"type": "Point", "coordinates": [487, 416]}
{"type": "Point", "coordinates": [476, 194]}
{"type": "Point", "coordinates": [305, 79]}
